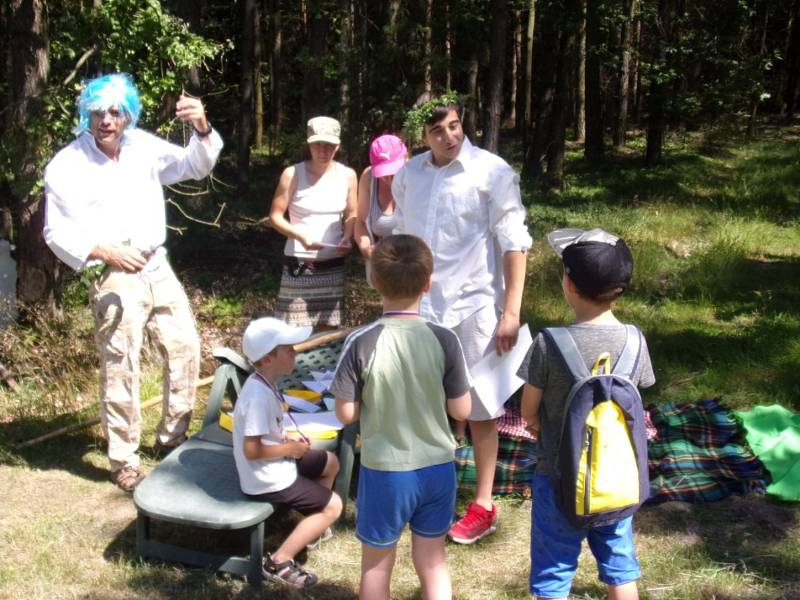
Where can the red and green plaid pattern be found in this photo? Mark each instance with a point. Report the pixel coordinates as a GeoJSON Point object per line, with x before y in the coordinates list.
{"type": "Point", "coordinates": [700, 454]}
{"type": "Point", "coordinates": [515, 465]}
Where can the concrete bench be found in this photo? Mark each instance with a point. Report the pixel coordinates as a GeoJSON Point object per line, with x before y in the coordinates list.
{"type": "Point", "coordinates": [197, 485]}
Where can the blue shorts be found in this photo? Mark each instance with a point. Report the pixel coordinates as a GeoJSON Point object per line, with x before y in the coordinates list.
{"type": "Point", "coordinates": [387, 500]}
{"type": "Point", "coordinates": [556, 544]}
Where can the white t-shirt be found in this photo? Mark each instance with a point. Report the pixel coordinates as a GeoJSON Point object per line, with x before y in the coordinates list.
{"type": "Point", "coordinates": [259, 412]}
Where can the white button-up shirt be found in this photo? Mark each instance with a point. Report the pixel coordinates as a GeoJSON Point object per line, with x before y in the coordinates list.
{"type": "Point", "coordinates": [470, 213]}
{"type": "Point", "coordinates": [94, 200]}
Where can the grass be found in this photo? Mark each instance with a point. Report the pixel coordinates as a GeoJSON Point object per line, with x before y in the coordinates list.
{"type": "Point", "coordinates": [715, 236]}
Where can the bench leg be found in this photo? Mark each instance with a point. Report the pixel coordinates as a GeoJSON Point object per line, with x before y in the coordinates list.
{"type": "Point", "coordinates": [142, 532]}
{"type": "Point", "coordinates": [254, 576]}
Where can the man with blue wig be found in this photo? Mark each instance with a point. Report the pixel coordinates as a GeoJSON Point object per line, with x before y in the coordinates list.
{"type": "Point", "coordinates": [105, 212]}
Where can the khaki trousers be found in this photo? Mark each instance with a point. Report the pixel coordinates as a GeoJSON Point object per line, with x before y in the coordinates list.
{"type": "Point", "coordinates": [124, 305]}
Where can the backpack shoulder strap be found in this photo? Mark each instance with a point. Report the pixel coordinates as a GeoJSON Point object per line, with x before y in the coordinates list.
{"type": "Point", "coordinates": [569, 352]}
{"type": "Point", "coordinates": [629, 357]}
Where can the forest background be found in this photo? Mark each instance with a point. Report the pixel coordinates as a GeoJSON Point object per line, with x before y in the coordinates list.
{"type": "Point", "coordinates": [671, 122]}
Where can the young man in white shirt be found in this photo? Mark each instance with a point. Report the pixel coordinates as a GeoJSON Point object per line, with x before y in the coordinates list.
{"type": "Point", "coordinates": [105, 211]}
{"type": "Point", "coordinates": [465, 203]}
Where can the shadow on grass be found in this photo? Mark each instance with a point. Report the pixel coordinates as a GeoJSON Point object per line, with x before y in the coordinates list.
{"type": "Point", "coordinates": [171, 580]}
{"type": "Point", "coordinates": [744, 532]}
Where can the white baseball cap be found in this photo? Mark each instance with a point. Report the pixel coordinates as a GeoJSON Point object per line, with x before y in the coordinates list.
{"type": "Point", "coordinates": [263, 335]}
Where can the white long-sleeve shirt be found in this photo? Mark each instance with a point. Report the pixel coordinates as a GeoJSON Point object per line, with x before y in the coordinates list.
{"type": "Point", "coordinates": [93, 200]}
{"type": "Point", "coordinates": [470, 213]}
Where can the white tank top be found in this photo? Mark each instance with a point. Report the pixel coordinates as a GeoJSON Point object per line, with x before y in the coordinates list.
{"type": "Point", "coordinates": [316, 210]}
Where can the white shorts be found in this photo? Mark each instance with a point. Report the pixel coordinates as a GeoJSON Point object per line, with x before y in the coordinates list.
{"type": "Point", "coordinates": [476, 334]}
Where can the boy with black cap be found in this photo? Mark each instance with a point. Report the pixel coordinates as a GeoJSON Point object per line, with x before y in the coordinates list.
{"type": "Point", "coordinates": [277, 466]}
{"type": "Point", "coordinates": [597, 270]}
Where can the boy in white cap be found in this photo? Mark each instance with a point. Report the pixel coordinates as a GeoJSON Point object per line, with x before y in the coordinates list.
{"type": "Point", "coordinates": [274, 465]}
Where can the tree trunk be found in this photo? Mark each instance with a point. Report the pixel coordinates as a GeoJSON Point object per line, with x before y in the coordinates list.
{"type": "Point", "coordinates": [245, 137]}
{"type": "Point", "coordinates": [657, 98]}
{"type": "Point", "coordinates": [190, 11]}
{"type": "Point", "coordinates": [790, 91]}
{"type": "Point", "coordinates": [636, 72]}
{"type": "Point", "coordinates": [516, 60]}
{"type": "Point", "coordinates": [760, 47]}
{"type": "Point", "coordinates": [593, 148]}
{"type": "Point", "coordinates": [470, 121]}
{"type": "Point", "coordinates": [29, 68]}
{"type": "Point", "coordinates": [258, 93]}
{"type": "Point", "coordinates": [527, 124]}
{"type": "Point", "coordinates": [428, 45]}
{"type": "Point", "coordinates": [448, 44]}
{"type": "Point", "coordinates": [580, 84]}
{"type": "Point", "coordinates": [345, 53]}
{"type": "Point", "coordinates": [275, 75]}
{"type": "Point", "coordinates": [497, 64]}
{"type": "Point", "coordinates": [313, 81]}
{"type": "Point", "coordinates": [621, 122]}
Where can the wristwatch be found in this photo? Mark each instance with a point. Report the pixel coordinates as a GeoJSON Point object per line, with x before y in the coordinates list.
{"type": "Point", "coordinates": [206, 133]}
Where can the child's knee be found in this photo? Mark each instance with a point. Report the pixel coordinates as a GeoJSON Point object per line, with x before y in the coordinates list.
{"type": "Point", "coordinates": [332, 465]}
{"type": "Point", "coordinates": [334, 507]}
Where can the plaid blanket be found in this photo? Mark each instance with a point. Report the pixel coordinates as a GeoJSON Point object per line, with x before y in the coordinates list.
{"type": "Point", "coordinates": [515, 465]}
{"type": "Point", "coordinates": [700, 454]}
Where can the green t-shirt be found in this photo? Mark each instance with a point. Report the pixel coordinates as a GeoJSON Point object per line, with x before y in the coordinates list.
{"type": "Point", "coordinates": [402, 370]}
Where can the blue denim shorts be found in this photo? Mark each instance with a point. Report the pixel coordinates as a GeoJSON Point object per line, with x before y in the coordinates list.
{"type": "Point", "coordinates": [387, 500]}
{"type": "Point", "coordinates": [556, 544]}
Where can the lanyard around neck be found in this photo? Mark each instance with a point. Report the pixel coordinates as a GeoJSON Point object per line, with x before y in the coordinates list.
{"type": "Point", "coordinates": [278, 397]}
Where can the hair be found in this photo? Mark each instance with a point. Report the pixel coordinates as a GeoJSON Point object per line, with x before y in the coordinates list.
{"type": "Point", "coordinates": [401, 266]}
{"type": "Point", "coordinates": [604, 297]}
{"type": "Point", "coordinates": [102, 93]}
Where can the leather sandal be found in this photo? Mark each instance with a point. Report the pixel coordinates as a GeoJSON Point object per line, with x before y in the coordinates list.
{"type": "Point", "coordinates": [288, 573]}
{"type": "Point", "coordinates": [127, 478]}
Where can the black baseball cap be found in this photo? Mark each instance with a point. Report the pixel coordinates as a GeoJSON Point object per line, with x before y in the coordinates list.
{"type": "Point", "coordinates": [595, 260]}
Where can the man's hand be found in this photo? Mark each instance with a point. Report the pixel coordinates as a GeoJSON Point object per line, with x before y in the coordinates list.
{"type": "Point", "coordinates": [296, 449]}
{"type": "Point", "coordinates": [123, 258]}
{"type": "Point", "coordinates": [191, 109]}
{"type": "Point", "coordinates": [310, 245]}
{"type": "Point", "coordinates": [506, 333]}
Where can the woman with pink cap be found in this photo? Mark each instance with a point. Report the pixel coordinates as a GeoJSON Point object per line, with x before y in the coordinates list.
{"type": "Point", "coordinates": [375, 217]}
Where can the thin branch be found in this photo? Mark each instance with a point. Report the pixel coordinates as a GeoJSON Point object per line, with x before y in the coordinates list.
{"type": "Point", "coordinates": [84, 57]}
{"type": "Point", "coordinates": [214, 223]}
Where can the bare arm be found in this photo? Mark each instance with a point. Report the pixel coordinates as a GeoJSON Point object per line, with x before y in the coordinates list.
{"type": "Point", "coordinates": [362, 214]}
{"type": "Point", "coordinates": [460, 407]}
{"type": "Point", "coordinates": [531, 402]}
{"type": "Point", "coordinates": [350, 210]}
{"type": "Point", "coordinates": [514, 263]}
{"type": "Point", "coordinates": [347, 411]}
{"type": "Point", "coordinates": [124, 258]}
{"type": "Point", "coordinates": [191, 109]}
{"type": "Point", "coordinates": [287, 186]}
{"type": "Point", "coordinates": [255, 450]}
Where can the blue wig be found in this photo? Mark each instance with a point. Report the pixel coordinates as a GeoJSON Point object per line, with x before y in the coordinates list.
{"type": "Point", "coordinates": [106, 92]}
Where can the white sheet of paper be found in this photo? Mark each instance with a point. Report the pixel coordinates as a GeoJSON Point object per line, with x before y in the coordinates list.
{"type": "Point", "coordinates": [317, 386]}
{"type": "Point", "coordinates": [322, 376]}
{"type": "Point", "coordinates": [300, 404]}
{"type": "Point", "coordinates": [495, 377]}
{"type": "Point", "coordinates": [317, 422]}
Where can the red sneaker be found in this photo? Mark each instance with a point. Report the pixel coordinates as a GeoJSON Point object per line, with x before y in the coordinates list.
{"type": "Point", "coordinates": [475, 524]}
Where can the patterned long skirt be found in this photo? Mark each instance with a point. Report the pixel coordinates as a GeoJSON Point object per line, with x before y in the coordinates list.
{"type": "Point", "coordinates": [311, 292]}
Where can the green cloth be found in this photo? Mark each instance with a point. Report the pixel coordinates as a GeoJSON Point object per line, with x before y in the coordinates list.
{"type": "Point", "coordinates": [773, 433]}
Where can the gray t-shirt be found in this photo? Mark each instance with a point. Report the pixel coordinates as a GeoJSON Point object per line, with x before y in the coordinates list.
{"type": "Point", "coordinates": [544, 369]}
{"type": "Point", "coordinates": [402, 370]}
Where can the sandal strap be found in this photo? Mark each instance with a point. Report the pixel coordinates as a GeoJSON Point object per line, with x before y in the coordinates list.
{"type": "Point", "coordinates": [289, 572]}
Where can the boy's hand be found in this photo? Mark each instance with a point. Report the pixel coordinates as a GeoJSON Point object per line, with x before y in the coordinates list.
{"type": "Point", "coordinates": [534, 425]}
{"type": "Point", "coordinates": [506, 333]}
{"type": "Point", "coordinates": [296, 449]}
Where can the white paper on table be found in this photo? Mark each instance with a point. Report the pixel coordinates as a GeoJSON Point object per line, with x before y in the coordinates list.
{"type": "Point", "coordinates": [495, 377]}
{"type": "Point", "coordinates": [317, 386]}
{"type": "Point", "coordinates": [300, 404]}
{"type": "Point", "coordinates": [322, 375]}
{"type": "Point", "coordinates": [313, 423]}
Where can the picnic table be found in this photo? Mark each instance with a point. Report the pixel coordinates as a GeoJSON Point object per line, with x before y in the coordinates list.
{"type": "Point", "coordinates": [197, 484]}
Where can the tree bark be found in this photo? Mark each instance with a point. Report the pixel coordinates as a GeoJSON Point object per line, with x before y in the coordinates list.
{"type": "Point", "coordinates": [245, 137]}
{"type": "Point", "coordinates": [29, 68]}
{"type": "Point", "coordinates": [760, 47]}
{"type": "Point", "coordinates": [497, 64]}
{"type": "Point", "coordinates": [313, 81]}
{"type": "Point", "coordinates": [275, 74]}
{"type": "Point", "coordinates": [191, 12]}
{"type": "Point", "coordinates": [657, 98]}
{"type": "Point", "coordinates": [428, 46]}
{"type": "Point", "coordinates": [258, 93]}
{"type": "Point", "coordinates": [470, 120]}
{"type": "Point", "coordinates": [516, 61]}
{"type": "Point", "coordinates": [528, 110]}
{"type": "Point", "coordinates": [621, 121]}
{"type": "Point", "coordinates": [580, 84]}
{"type": "Point", "coordinates": [593, 149]}
{"type": "Point", "coordinates": [790, 91]}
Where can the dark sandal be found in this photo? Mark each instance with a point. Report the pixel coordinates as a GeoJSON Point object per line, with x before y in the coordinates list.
{"type": "Point", "coordinates": [288, 573]}
{"type": "Point", "coordinates": [127, 478]}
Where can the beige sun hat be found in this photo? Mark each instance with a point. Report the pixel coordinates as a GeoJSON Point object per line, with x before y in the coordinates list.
{"type": "Point", "coordinates": [323, 129]}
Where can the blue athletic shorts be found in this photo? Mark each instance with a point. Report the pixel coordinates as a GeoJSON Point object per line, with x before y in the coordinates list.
{"type": "Point", "coordinates": [556, 544]}
{"type": "Point", "coordinates": [387, 500]}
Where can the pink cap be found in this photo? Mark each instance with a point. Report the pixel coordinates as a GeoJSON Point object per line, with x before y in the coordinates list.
{"type": "Point", "coordinates": [387, 154]}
